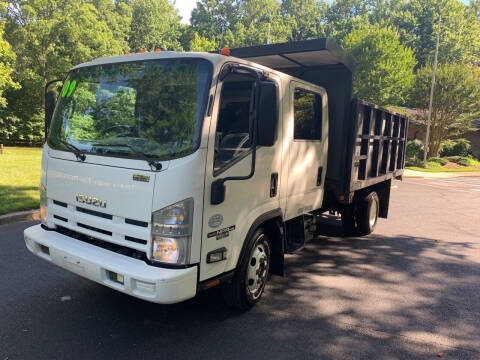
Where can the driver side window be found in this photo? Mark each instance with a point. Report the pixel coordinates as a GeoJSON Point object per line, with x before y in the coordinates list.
{"type": "Point", "coordinates": [232, 140]}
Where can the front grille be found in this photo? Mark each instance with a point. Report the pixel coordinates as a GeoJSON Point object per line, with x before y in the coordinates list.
{"type": "Point", "coordinates": [123, 250]}
{"type": "Point", "coordinates": [110, 229]}
{"type": "Point", "coordinates": [136, 222]}
{"type": "Point", "coordinates": [59, 203]}
{"type": "Point", "coordinates": [101, 231]}
{"type": "Point", "coordinates": [95, 213]}
{"type": "Point", "coordinates": [60, 218]}
{"type": "Point", "coordinates": [139, 241]}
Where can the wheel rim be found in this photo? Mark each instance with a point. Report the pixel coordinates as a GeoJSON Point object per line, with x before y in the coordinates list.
{"type": "Point", "coordinates": [257, 270]}
{"type": "Point", "coordinates": [372, 216]}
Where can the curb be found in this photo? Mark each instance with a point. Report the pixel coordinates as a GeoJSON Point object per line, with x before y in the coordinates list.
{"type": "Point", "coordinates": [20, 216]}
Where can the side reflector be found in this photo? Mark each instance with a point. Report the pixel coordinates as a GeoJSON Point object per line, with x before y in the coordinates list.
{"type": "Point", "coordinates": [217, 255]}
{"type": "Point", "coordinates": [212, 283]}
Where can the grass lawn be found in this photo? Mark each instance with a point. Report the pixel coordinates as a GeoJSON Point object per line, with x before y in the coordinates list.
{"type": "Point", "coordinates": [449, 166]}
{"type": "Point", "coordinates": [443, 169]}
{"type": "Point", "coordinates": [19, 179]}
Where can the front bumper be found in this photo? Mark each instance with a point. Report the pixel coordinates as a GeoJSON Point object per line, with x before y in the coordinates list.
{"type": "Point", "coordinates": [158, 285]}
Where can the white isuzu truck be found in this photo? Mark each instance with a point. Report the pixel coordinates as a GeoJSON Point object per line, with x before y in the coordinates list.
{"type": "Point", "coordinates": [168, 173]}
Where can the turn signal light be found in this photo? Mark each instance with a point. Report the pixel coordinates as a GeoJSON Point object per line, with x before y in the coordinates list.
{"type": "Point", "coordinates": [225, 51]}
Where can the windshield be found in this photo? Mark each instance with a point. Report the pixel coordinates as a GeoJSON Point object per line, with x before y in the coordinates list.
{"type": "Point", "coordinates": [152, 109]}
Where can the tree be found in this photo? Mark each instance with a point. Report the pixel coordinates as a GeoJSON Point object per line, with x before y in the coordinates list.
{"type": "Point", "coordinates": [342, 16]}
{"type": "Point", "coordinates": [49, 37]}
{"type": "Point", "coordinates": [474, 7]}
{"type": "Point", "coordinates": [455, 104]}
{"type": "Point", "coordinates": [240, 23]}
{"type": "Point", "coordinates": [212, 18]}
{"type": "Point", "coordinates": [460, 35]}
{"type": "Point", "coordinates": [199, 43]}
{"type": "Point", "coordinates": [7, 58]}
{"type": "Point", "coordinates": [118, 17]}
{"type": "Point", "coordinates": [155, 24]}
{"type": "Point", "coordinates": [304, 18]}
{"type": "Point", "coordinates": [383, 66]}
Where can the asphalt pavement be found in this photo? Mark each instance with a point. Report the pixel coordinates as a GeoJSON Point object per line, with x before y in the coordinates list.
{"type": "Point", "coordinates": [408, 291]}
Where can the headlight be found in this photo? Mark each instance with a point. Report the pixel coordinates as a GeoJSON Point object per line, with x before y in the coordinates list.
{"type": "Point", "coordinates": [43, 205]}
{"type": "Point", "coordinates": [172, 233]}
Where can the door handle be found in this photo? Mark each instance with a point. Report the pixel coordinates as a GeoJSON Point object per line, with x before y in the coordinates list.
{"type": "Point", "coordinates": [273, 184]}
{"type": "Point", "coordinates": [319, 176]}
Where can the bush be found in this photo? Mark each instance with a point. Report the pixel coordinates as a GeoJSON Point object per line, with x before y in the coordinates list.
{"type": "Point", "coordinates": [433, 164]}
{"type": "Point", "coordinates": [460, 147]}
{"type": "Point", "coordinates": [438, 160]}
{"type": "Point", "coordinates": [446, 148]}
{"type": "Point", "coordinates": [414, 149]}
{"type": "Point", "coordinates": [414, 162]}
{"type": "Point", "coordinates": [462, 160]}
{"type": "Point", "coordinates": [476, 155]}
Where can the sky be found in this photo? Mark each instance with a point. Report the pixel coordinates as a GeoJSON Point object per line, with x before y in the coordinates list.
{"type": "Point", "coordinates": [185, 8]}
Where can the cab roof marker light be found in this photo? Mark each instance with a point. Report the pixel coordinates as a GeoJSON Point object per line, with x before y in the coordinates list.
{"type": "Point", "coordinates": [225, 51]}
{"type": "Point", "coordinates": [128, 53]}
{"type": "Point", "coordinates": [158, 50]}
{"type": "Point", "coordinates": [142, 52]}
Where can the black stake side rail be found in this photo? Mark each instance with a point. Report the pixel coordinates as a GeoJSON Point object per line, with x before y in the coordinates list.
{"type": "Point", "coordinates": [379, 144]}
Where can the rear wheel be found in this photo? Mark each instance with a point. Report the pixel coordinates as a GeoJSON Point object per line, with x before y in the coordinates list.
{"type": "Point", "coordinates": [248, 284]}
{"type": "Point", "coordinates": [360, 217]}
{"type": "Point", "coordinates": [368, 214]}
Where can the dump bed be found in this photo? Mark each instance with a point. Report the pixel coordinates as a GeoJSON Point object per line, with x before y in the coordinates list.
{"type": "Point", "coordinates": [366, 143]}
{"type": "Point", "coordinates": [379, 143]}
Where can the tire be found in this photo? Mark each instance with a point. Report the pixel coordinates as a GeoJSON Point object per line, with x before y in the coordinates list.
{"type": "Point", "coordinates": [248, 284]}
{"type": "Point", "coordinates": [367, 214]}
{"type": "Point", "coordinates": [360, 217]}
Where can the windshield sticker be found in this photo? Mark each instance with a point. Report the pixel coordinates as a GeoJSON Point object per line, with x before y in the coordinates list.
{"type": "Point", "coordinates": [72, 87]}
{"type": "Point", "coordinates": [222, 233]}
{"type": "Point", "coordinates": [215, 221]}
{"type": "Point", "coordinates": [65, 88]}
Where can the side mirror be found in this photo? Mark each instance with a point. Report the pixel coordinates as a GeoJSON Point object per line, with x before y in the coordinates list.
{"type": "Point", "coordinates": [267, 113]}
{"type": "Point", "coordinates": [50, 100]}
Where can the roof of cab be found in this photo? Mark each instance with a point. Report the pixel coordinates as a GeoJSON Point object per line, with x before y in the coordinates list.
{"type": "Point", "coordinates": [149, 56]}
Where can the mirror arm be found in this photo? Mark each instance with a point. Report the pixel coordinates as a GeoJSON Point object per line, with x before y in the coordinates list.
{"type": "Point", "coordinates": [47, 120]}
{"type": "Point", "coordinates": [47, 85]}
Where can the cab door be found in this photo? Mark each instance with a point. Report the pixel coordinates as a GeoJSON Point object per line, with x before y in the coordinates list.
{"type": "Point", "coordinates": [225, 225]}
{"type": "Point", "coordinates": [307, 156]}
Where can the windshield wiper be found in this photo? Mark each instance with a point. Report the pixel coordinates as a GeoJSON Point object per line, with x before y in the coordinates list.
{"type": "Point", "coordinates": [154, 165]}
{"type": "Point", "coordinates": [78, 153]}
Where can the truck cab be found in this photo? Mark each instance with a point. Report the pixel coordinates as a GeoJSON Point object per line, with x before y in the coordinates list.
{"type": "Point", "coordinates": [168, 173]}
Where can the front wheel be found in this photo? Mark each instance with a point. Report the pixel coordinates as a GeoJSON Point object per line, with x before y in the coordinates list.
{"type": "Point", "coordinates": [248, 284]}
